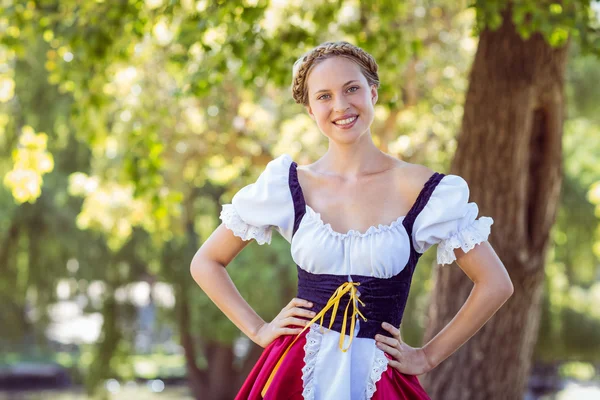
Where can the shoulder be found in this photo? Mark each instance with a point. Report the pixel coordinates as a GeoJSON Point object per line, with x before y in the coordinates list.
{"type": "Point", "coordinates": [411, 178]}
{"type": "Point", "coordinates": [271, 182]}
{"type": "Point", "coordinates": [280, 163]}
{"type": "Point", "coordinates": [276, 171]}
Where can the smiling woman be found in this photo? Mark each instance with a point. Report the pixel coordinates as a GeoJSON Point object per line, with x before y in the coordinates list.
{"type": "Point", "coordinates": [337, 83]}
{"type": "Point", "coordinates": [382, 214]}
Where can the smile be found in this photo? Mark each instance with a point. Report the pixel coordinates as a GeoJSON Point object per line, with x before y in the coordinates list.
{"type": "Point", "coordinates": [346, 122]}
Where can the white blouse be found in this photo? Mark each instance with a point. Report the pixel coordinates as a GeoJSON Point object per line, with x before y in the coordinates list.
{"type": "Point", "coordinates": [448, 219]}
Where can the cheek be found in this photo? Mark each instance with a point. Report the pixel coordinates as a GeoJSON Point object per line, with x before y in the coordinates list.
{"type": "Point", "coordinates": [366, 101]}
{"type": "Point", "coordinates": [321, 114]}
{"type": "Point", "coordinates": [367, 106]}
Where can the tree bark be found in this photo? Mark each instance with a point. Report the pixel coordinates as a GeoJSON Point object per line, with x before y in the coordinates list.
{"type": "Point", "coordinates": [197, 378]}
{"type": "Point", "coordinates": [221, 372]}
{"type": "Point", "coordinates": [509, 151]}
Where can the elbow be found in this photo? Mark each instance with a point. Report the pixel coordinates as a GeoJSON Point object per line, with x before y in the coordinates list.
{"type": "Point", "coordinates": [194, 270]}
{"type": "Point", "coordinates": [196, 267]}
{"type": "Point", "coordinates": [193, 267]}
{"type": "Point", "coordinates": [504, 285]}
{"type": "Point", "coordinates": [510, 290]}
{"type": "Point", "coordinates": [507, 289]}
{"type": "Point", "coordinates": [499, 291]}
{"type": "Point", "coordinates": [202, 267]}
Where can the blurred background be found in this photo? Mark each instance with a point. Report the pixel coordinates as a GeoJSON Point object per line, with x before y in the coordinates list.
{"type": "Point", "coordinates": [125, 124]}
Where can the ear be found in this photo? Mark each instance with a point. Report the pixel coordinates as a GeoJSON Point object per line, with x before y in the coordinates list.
{"type": "Point", "coordinates": [309, 111]}
{"type": "Point", "coordinates": [374, 94]}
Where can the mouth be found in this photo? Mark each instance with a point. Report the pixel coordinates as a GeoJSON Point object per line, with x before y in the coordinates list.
{"type": "Point", "coordinates": [346, 123]}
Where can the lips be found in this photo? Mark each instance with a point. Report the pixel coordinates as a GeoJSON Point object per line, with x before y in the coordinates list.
{"type": "Point", "coordinates": [343, 117]}
{"type": "Point", "coordinates": [348, 125]}
{"type": "Point", "coordinates": [341, 122]}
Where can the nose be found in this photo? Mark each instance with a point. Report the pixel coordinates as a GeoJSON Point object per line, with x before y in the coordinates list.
{"type": "Point", "coordinates": [340, 105]}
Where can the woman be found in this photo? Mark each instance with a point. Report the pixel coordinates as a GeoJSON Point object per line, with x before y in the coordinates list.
{"type": "Point", "coordinates": [358, 220]}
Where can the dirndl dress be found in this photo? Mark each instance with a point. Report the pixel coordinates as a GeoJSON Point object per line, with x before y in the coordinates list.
{"type": "Point", "coordinates": [355, 280]}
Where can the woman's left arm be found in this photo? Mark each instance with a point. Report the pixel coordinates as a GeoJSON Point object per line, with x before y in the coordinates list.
{"type": "Point", "coordinates": [492, 287]}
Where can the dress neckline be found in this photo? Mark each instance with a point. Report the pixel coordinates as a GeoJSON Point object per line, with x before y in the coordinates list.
{"type": "Point", "coordinates": [353, 232]}
{"type": "Point", "coordinates": [371, 230]}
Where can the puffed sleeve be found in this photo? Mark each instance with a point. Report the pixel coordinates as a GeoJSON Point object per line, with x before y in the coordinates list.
{"type": "Point", "coordinates": [263, 205]}
{"type": "Point", "coordinates": [450, 221]}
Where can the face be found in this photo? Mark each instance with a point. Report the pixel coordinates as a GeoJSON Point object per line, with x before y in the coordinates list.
{"type": "Point", "coordinates": [340, 100]}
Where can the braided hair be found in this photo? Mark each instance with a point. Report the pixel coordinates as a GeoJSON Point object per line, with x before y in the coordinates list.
{"type": "Point", "coordinates": [304, 65]}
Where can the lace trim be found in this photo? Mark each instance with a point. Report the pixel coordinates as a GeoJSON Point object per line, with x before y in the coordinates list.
{"type": "Point", "coordinates": [352, 232]}
{"type": "Point", "coordinates": [232, 220]}
{"type": "Point", "coordinates": [380, 364]}
{"type": "Point", "coordinates": [466, 239]}
{"type": "Point", "coordinates": [311, 349]}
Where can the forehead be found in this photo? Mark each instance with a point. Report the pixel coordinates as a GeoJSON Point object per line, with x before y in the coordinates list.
{"type": "Point", "coordinates": [333, 72]}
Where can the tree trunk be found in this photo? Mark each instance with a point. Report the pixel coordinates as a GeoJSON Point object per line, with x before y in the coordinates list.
{"type": "Point", "coordinates": [221, 372]}
{"type": "Point", "coordinates": [197, 379]}
{"type": "Point", "coordinates": [509, 151]}
{"type": "Point", "coordinates": [223, 377]}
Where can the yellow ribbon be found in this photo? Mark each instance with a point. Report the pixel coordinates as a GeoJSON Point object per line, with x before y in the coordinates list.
{"type": "Point", "coordinates": [334, 301]}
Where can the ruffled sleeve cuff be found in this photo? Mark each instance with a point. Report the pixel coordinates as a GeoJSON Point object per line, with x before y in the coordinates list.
{"type": "Point", "coordinates": [264, 205]}
{"type": "Point", "coordinates": [450, 221]}
{"type": "Point", "coordinates": [466, 239]}
{"type": "Point", "coordinates": [233, 221]}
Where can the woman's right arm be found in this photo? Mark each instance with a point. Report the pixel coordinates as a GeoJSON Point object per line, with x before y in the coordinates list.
{"type": "Point", "coordinates": [208, 268]}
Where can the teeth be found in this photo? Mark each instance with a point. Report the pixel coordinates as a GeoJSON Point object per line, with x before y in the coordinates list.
{"type": "Point", "coordinates": [345, 121]}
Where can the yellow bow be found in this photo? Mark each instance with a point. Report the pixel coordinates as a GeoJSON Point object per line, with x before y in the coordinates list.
{"type": "Point", "coordinates": [334, 302]}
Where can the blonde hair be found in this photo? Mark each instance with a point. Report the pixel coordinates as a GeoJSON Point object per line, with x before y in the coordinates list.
{"type": "Point", "coordinates": [304, 65]}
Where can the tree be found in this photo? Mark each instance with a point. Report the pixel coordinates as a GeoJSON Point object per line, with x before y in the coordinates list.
{"type": "Point", "coordinates": [509, 150]}
{"type": "Point", "coordinates": [167, 108]}
{"type": "Point", "coordinates": [146, 84]}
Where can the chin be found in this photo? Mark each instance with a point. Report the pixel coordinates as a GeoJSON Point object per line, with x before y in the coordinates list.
{"type": "Point", "coordinates": [346, 139]}
{"type": "Point", "coordinates": [344, 136]}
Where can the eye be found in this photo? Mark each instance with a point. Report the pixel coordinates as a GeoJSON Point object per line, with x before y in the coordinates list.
{"type": "Point", "coordinates": [349, 89]}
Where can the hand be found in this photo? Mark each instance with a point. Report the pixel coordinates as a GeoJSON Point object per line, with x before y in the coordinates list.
{"type": "Point", "coordinates": [405, 359]}
{"type": "Point", "coordinates": [268, 332]}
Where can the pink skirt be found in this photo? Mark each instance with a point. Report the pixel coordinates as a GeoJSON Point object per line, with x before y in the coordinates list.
{"type": "Point", "coordinates": [287, 383]}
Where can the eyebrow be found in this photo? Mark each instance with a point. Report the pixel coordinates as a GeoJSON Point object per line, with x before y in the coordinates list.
{"type": "Point", "coordinates": [327, 90]}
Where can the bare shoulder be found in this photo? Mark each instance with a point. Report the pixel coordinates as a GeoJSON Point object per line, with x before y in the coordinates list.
{"type": "Point", "coordinates": [411, 178]}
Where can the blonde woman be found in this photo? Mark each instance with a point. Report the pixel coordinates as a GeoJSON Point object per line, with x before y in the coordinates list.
{"type": "Point", "coordinates": [358, 220]}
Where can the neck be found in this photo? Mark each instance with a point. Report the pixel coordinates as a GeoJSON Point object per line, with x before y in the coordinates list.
{"type": "Point", "coordinates": [352, 160]}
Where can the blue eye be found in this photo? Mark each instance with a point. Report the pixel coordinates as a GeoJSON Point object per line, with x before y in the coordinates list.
{"type": "Point", "coordinates": [352, 87]}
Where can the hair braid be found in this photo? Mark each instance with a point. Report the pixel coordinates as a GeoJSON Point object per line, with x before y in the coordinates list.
{"type": "Point", "coordinates": [307, 61]}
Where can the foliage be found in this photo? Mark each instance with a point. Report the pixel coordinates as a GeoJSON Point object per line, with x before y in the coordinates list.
{"type": "Point", "coordinates": [125, 125]}
{"type": "Point", "coordinates": [557, 21]}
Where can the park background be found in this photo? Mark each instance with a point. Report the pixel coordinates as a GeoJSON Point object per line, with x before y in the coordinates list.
{"type": "Point", "coordinates": [125, 124]}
